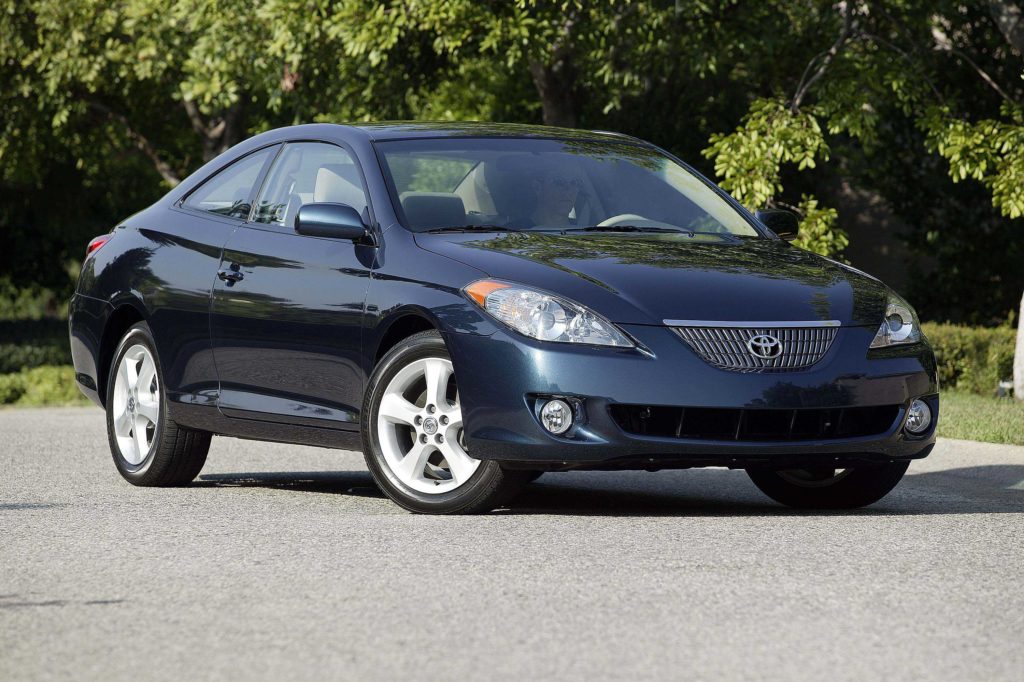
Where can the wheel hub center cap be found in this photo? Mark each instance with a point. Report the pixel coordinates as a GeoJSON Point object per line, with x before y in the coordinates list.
{"type": "Point", "coordinates": [430, 426]}
{"type": "Point", "coordinates": [131, 404]}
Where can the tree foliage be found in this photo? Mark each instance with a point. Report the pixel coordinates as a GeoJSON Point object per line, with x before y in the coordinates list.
{"type": "Point", "coordinates": [749, 162]}
{"type": "Point", "coordinates": [919, 103]}
{"type": "Point", "coordinates": [990, 151]}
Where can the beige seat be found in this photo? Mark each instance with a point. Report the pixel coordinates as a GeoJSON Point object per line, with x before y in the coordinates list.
{"type": "Point", "coordinates": [339, 184]}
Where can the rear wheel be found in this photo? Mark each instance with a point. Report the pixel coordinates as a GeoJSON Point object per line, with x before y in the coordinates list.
{"type": "Point", "coordinates": [149, 449]}
{"type": "Point", "coordinates": [827, 487]}
{"type": "Point", "coordinates": [413, 437]}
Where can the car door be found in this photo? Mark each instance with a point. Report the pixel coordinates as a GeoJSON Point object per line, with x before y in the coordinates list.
{"type": "Point", "coordinates": [181, 260]}
{"type": "Point", "coordinates": [287, 310]}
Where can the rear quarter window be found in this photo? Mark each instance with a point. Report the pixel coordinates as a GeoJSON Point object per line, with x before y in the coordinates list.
{"type": "Point", "coordinates": [230, 191]}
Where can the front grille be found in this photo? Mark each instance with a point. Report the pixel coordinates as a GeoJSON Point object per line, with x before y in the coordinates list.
{"type": "Point", "coordinates": [728, 347]}
{"type": "Point", "coordinates": [720, 424]}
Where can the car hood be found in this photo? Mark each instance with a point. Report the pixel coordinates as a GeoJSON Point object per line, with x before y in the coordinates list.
{"type": "Point", "coordinates": [647, 279]}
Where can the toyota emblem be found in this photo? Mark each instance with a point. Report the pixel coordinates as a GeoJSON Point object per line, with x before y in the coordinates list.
{"type": "Point", "coordinates": [430, 426]}
{"type": "Point", "coordinates": [765, 346]}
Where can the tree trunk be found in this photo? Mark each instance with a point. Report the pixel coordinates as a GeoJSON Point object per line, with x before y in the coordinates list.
{"type": "Point", "coordinates": [555, 79]}
{"type": "Point", "coordinates": [1018, 356]}
{"type": "Point", "coordinates": [217, 133]}
{"type": "Point", "coordinates": [1008, 16]}
{"type": "Point", "coordinates": [556, 86]}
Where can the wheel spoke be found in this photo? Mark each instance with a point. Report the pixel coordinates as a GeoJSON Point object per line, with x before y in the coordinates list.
{"type": "Point", "coordinates": [123, 423]}
{"type": "Point", "coordinates": [415, 461]}
{"type": "Point", "coordinates": [454, 422]}
{"type": "Point", "coordinates": [140, 437]}
{"type": "Point", "coordinates": [131, 372]}
{"type": "Point", "coordinates": [454, 413]}
{"type": "Point", "coordinates": [146, 374]}
{"type": "Point", "coordinates": [437, 373]}
{"type": "Point", "coordinates": [124, 375]}
{"type": "Point", "coordinates": [129, 449]}
{"type": "Point", "coordinates": [149, 410]}
{"type": "Point", "coordinates": [397, 410]}
{"type": "Point", "coordinates": [460, 464]}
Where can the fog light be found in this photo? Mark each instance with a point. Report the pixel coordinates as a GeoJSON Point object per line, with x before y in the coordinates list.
{"type": "Point", "coordinates": [556, 416]}
{"type": "Point", "coordinates": [919, 417]}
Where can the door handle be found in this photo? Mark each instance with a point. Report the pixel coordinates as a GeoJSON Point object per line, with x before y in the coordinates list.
{"type": "Point", "coordinates": [231, 275]}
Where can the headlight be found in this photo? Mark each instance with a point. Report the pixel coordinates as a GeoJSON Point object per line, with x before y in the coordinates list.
{"type": "Point", "coordinates": [899, 326]}
{"type": "Point", "coordinates": [544, 316]}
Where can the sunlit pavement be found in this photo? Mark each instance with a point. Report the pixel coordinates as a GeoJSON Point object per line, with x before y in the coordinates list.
{"type": "Point", "coordinates": [287, 562]}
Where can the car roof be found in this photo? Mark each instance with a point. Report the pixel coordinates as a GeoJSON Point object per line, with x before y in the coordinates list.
{"type": "Point", "coordinates": [402, 130]}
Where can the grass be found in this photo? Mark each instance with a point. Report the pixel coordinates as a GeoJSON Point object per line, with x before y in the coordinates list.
{"type": "Point", "coordinates": [962, 415]}
{"type": "Point", "coordinates": [975, 417]}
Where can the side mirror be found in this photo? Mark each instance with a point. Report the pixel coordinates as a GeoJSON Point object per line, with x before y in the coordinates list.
{"type": "Point", "coordinates": [337, 221]}
{"type": "Point", "coordinates": [783, 223]}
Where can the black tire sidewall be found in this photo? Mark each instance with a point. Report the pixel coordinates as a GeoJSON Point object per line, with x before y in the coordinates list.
{"type": "Point", "coordinates": [138, 334]}
{"type": "Point", "coordinates": [416, 347]}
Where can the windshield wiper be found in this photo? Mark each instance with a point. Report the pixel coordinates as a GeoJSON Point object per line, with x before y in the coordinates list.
{"type": "Point", "coordinates": [628, 228]}
{"type": "Point", "coordinates": [473, 228]}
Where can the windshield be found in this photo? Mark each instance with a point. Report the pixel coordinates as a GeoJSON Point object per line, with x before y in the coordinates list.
{"type": "Point", "coordinates": [551, 185]}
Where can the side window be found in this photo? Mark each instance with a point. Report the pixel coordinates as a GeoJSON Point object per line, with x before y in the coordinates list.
{"type": "Point", "coordinates": [309, 172]}
{"type": "Point", "coordinates": [227, 192]}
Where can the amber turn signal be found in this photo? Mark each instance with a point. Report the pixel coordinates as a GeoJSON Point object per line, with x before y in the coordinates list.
{"type": "Point", "coordinates": [478, 290]}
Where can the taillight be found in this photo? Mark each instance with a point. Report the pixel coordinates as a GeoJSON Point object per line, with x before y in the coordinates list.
{"type": "Point", "coordinates": [96, 244]}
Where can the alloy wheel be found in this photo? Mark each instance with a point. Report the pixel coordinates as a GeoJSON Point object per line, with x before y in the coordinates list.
{"type": "Point", "coordinates": [136, 404]}
{"type": "Point", "coordinates": [419, 426]}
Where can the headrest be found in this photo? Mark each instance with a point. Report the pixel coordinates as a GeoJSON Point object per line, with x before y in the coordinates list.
{"type": "Point", "coordinates": [427, 210]}
{"type": "Point", "coordinates": [509, 180]}
{"type": "Point", "coordinates": [338, 183]}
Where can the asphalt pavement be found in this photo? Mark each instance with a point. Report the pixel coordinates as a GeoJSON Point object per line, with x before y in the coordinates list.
{"type": "Point", "coordinates": [286, 562]}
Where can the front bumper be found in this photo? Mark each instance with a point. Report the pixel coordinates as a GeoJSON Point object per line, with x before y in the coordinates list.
{"type": "Point", "coordinates": [502, 374]}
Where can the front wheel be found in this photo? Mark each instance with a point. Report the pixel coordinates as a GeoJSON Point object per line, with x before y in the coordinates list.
{"type": "Point", "coordinates": [413, 437]}
{"type": "Point", "coordinates": [827, 487]}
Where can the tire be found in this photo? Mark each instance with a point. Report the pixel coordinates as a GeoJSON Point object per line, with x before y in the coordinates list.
{"type": "Point", "coordinates": [149, 449]}
{"type": "Point", "coordinates": [825, 488]}
{"type": "Point", "coordinates": [429, 432]}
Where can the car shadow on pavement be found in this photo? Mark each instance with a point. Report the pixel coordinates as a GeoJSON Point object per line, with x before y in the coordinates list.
{"type": "Point", "coordinates": [355, 483]}
{"type": "Point", "coordinates": [702, 492]}
{"type": "Point", "coordinates": [969, 490]}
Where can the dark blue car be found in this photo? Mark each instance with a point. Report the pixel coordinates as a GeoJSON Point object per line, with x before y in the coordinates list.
{"type": "Point", "coordinates": [472, 305]}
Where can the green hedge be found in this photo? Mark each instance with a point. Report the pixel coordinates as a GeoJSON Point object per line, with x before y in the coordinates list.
{"type": "Point", "coordinates": [33, 302]}
{"type": "Point", "coordinates": [33, 343]}
{"type": "Point", "coordinates": [41, 386]}
{"type": "Point", "coordinates": [972, 359]}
